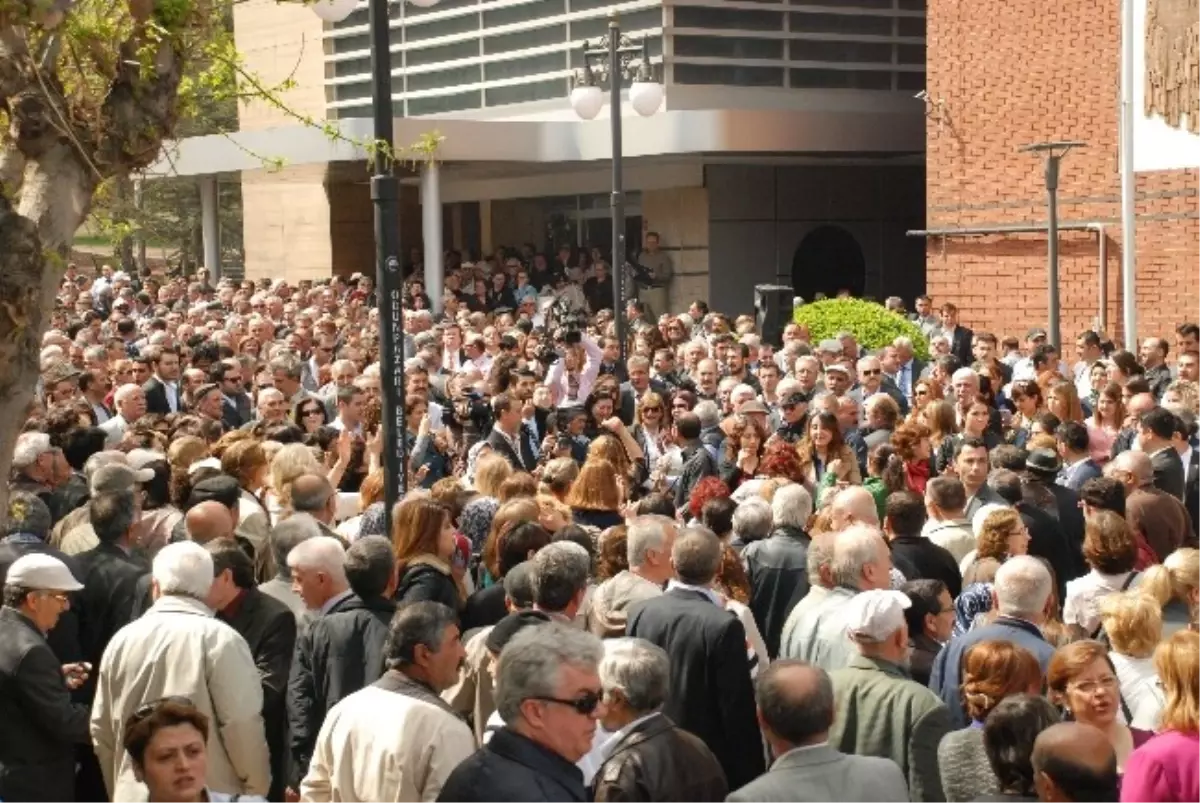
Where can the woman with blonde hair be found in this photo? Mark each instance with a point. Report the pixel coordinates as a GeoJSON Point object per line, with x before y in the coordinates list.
{"type": "Point", "coordinates": [1001, 535]}
{"type": "Point", "coordinates": [1133, 624]}
{"type": "Point", "coordinates": [491, 470]}
{"type": "Point", "coordinates": [992, 671]}
{"type": "Point", "coordinates": [291, 461]}
{"type": "Point", "coordinates": [608, 447]}
{"type": "Point", "coordinates": [596, 496]}
{"type": "Point", "coordinates": [1167, 767]}
{"type": "Point", "coordinates": [1062, 399]}
{"type": "Point", "coordinates": [423, 540]}
{"type": "Point", "coordinates": [1175, 584]}
{"type": "Point", "coordinates": [246, 462]}
{"type": "Point", "coordinates": [652, 427]}
{"type": "Point", "coordinates": [557, 477]}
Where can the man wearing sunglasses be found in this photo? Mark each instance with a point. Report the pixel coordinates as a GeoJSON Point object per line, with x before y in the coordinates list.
{"type": "Point", "coordinates": [39, 724]}
{"type": "Point", "coordinates": [549, 695]}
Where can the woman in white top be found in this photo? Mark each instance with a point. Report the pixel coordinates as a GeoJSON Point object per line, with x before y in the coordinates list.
{"type": "Point", "coordinates": [1111, 552]}
{"type": "Point", "coordinates": [1133, 622]}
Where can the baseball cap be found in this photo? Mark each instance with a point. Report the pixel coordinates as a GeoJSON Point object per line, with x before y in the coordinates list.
{"type": "Point", "coordinates": [41, 572]}
{"type": "Point", "coordinates": [28, 514]}
{"type": "Point", "coordinates": [118, 477]}
{"type": "Point", "coordinates": [59, 372]}
{"type": "Point", "coordinates": [1035, 333]}
{"type": "Point", "coordinates": [838, 368]}
{"type": "Point", "coordinates": [753, 406]}
{"type": "Point", "coordinates": [875, 615]}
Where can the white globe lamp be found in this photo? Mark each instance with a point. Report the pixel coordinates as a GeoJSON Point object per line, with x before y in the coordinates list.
{"type": "Point", "coordinates": [334, 10]}
{"type": "Point", "coordinates": [586, 100]}
{"type": "Point", "coordinates": [645, 96]}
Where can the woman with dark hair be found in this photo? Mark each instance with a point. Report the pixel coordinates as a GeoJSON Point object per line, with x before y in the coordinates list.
{"type": "Point", "coordinates": [743, 452]}
{"type": "Point", "coordinates": [159, 517]}
{"type": "Point", "coordinates": [1026, 400]}
{"type": "Point", "coordinates": [499, 294]}
{"type": "Point", "coordinates": [1008, 737]}
{"type": "Point", "coordinates": [976, 419]}
{"type": "Point", "coordinates": [167, 743]}
{"type": "Point", "coordinates": [821, 448]}
{"type": "Point", "coordinates": [1123, 366]}
{"type": "Point", "coordinates": [912, 443]}
{"type": "Point", "coordinates": [424, 542]}
{"type": "Point", "coordinates": [682, 401]}
{"type": "Point", "coordinates": [310, 415]}
{"type": "Point", "coordinates": [885, 475]}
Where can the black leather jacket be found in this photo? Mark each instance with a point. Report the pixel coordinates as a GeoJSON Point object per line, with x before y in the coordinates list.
{"type": "Point", "coordinates": [659, 761]}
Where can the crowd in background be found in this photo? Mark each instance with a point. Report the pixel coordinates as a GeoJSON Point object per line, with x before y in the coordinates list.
{"type": "Point", "coordinates": [697, 565]}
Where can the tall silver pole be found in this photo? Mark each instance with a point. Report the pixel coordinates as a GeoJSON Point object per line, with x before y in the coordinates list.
{"type": "Point", "coordinates": [1128, 186]}
{"type": "Point", "coordinates": [618, 192]}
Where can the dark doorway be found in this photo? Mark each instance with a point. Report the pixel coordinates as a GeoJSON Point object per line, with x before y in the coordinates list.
{"type": "Point", "coordinates": [828, 261]}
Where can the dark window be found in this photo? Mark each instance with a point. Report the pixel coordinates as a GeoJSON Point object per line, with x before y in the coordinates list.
{"type": "Point", "coordinates": [807, 50]}
{"type": "Point", "coordinates": [728, 75]}
{"type": "Point", "coordinates": [911, 26]}
{"type": "Point", "coordinates": [911, 54]}
{"type": "Point", "coordinates": [733, 48]}
{"type": "Point", "coordinates": [870, 24]}
{"type": "Point", "coordinates": [445, 103]}
{"type": "Point", "coordinates": [727, 18]}
{"type": "Point", "coordinates": [455, 76]}
{"type": "Point", "coordinates": [910, 80]}
{"type": "Point", "coordinates": [524, 93]}
{"type": "Point", "coordinates": [411, 11]}
{"type": "Point", "coordinates": [840, 79]}
{"type": "Point", "coordinates": [630, 23]}
{"type": "Point", "coordinates": [341, 69]}
{"type": "Point", "coordinates": [517, 68]}
{"type": "Point", "coordinates": [421, 56]}
{"type": "Point", "coordinates": [523, 40]}
{"type": "Point", "coordinates": [447, 27]}
{"type": "Point", "coordinates": [525, 12]}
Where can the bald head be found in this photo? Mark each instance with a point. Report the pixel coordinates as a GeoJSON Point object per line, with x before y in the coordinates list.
{"type": "Point", "coordinates": [1074, 761]}
{"type": "Point", "coordinates": [209, 520]}
{"type": "Point", "coordinates": [795, 704]}
{"type": "Point", "coordinates": [1134, 463]}
{"type": "Point", "coordinates": [853, 505]}
{"type": "Point", "coordinates": [1140, 403]}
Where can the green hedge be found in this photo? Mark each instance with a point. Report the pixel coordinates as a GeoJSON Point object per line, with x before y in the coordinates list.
{"type": "Point", "coordinates": [873, 326]}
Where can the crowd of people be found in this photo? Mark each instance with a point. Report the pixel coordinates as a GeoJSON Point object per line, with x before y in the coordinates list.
{"type": "Point", "coordinates": [697, 565]}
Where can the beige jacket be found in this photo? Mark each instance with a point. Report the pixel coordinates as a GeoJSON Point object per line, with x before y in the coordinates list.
{"type": "Point", "coordinates": [612, 600]}
{"type": "Point", "coordinates": [178, 648]}
{"type": "Point", "coordinates": [382, 745]}
{"type": "Point", "coordinates": [473, 695]}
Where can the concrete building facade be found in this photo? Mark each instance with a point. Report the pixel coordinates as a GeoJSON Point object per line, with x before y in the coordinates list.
{"type": "Point", "coordinates": [788, 148]}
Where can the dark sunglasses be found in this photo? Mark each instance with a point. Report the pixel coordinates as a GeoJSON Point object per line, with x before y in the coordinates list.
{"type": "Point", "coordinates": [152, 706]}
{"type": "Point", "coordinates": [652, 409]}
{"type": "Point", "coordinates": [872, 372]}
{"type": "Point", "coordinates": [585, 704]}
{"type": "Point", "coordinates": [313, 411]}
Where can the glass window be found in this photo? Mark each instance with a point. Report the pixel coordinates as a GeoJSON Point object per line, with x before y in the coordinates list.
{"type": "Point", "coordinates": [733, 48]}
{"type": "Point", "coordinates": [910, 80]}
{"type": "Point", "coordinates": [911, 5]}
{"type": "Point", "coordinates": [728, 18]}
{"type": "Point", "coordinates": [870, 24]}
{"type": "Point", "coordinates": [525, 12]}
{"type": "Point", "coordinates": [433, 55]}
{"type": "Point", "coordinates": [516, 68]}
{"type": "Point", "coordinates": [524, 40]}
{"type": "Point", "coordinates": [455, 76]}
{"type": "Point", "coordinates": [445, 103]}
{"type": "Point", "coordinates": [447, 27]}
{"type": "Point", "coordinates": [341, 69]}
{"type": "Point", "coordinates": [728, 75]}
{"type": "Point", "coordinates": [411, 11]}
{"type": "Point", "coordinates": [357, 91]}
{"type": "Point", "coordinates": [644, 20]}
{"type": "Point", "coordinates": [808, 50]}
{"type": "Point", "coordinates": [911, 26]}
{"type": "Point", "coordinates": [840, 79]}
{"type": "Point", "coordinates": [911, 54]}
{"type": "Point", "coordinates": [524, 93]}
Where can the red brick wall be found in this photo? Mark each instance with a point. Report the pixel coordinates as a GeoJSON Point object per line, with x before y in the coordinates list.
{"type": "Point", "coordinates": [1014, 72]}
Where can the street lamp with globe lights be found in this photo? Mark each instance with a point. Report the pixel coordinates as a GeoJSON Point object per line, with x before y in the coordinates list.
{"type": "Point", "coordinates": [389, 278]}
{"type": "Point", "coordinates": [615, 58]}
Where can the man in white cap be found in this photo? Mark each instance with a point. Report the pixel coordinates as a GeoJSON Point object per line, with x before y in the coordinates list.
{"type": "Point", "coordinates": [39, 725]}
{"type": "Point", "coordinates": [885, 712]}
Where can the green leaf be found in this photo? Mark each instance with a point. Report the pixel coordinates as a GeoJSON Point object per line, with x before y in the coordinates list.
{"type": "Point", "coordinates": [873, 326]}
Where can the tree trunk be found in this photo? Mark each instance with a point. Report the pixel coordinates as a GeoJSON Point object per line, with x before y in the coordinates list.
{"type": "Point", "coordinates": [56, 193]}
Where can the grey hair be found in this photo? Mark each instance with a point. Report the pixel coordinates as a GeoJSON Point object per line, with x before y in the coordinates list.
{"type": "Point", "coordinates": [101, 459]}
{"type": "Point", "coordinates": [855, 548]}
{"type": "Point", "coordinates": [370, 564]}
{"type": "Point", "coordinates": [903, 342]}
{"type": "Point", "coordinates": [820, 556]}
{"type": "Point", "coordinates": [1022, 585]}
{"type": "Point", "coordinates": [645, 533]}
{"type": "Point", "coordinates": [560, 571]}
{"type": "Point", "coordinates": [417, 623]}
{"type": "Point", "coordinates": [696, 555]}
{"type": "Point", "coordinates": [638, 669]}
{"type": "Point", "coordinates": [284, 538]}
{"type": "Point", "coordinates": [530, 664]}
{"type": "Point", "coordinates": [288, 363]}
{"type": "Point", "coordinates": [112, 514]}
{"type": "Point", "coordinates": [184, 569]}
{"type": "Point", "coordinates": [708, 413]}
{"type": "Point", "coordinates": [753, 519]}
{"type": "Point", "coordinates": [791, 506]}
{"type": "Point", "coordinates": [322, 553]}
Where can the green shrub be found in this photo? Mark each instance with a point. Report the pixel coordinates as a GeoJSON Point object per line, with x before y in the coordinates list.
{"type": "Point", "coordinates": [873, 326]}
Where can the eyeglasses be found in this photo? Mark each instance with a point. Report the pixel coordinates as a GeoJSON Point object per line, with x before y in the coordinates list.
{"type": "Point", "coordinates": [872, 372]}
{"type": "Point", "coordinates": [1092, 686]}
{"type": "Point", "coordinates": [585, 705]}
{"type": "Point", "coordinates": [312, 413]}
{"type": "Point", "coordinates": [58, 595]}
{"type": "Point", "coordinates": [152, 706]}
{"type": "Point", "coordinates": [653, 409]}
{"type": "Point", "coordinates": [921, 391]}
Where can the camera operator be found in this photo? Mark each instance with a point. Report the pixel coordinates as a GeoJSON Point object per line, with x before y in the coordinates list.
{"type": "Point", "coordinates": [572, 376]}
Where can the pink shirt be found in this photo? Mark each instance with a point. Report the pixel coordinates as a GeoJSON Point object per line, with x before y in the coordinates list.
{"type": "Point", "coordinates": [1164, 769]}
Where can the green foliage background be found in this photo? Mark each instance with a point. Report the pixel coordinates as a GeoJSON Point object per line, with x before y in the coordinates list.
{"type": "Point", "coordinates": [872, 324]}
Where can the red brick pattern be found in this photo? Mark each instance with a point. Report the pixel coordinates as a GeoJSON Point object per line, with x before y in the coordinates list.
{"type": "Point", "coordinates": [1013, 72]}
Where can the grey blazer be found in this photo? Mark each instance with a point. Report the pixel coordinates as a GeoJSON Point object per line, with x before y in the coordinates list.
{"type": "Point", "coordinates": [821, 773]}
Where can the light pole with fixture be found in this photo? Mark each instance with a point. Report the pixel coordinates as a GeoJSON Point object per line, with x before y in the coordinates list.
{"type": "Point", "coordinates": [616, 57]}
{"type": "Point", "coordinates": [1054, 152]}
{"type": "Point", "coordinates": [389, 276]}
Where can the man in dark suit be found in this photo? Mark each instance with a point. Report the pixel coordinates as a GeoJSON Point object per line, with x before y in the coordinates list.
{"type": "Point", "coordinates": [961, 338]}
{"type": "Point", "coordinates": [1190, 458]}
{"type": "Point", "coordinates": [163, 395]}
{"type": "Point", "coordinates": [1155, 429]}
{"type": "Point", "coordinates": [236, 409]}
{"type": "Point", "coordinates": [505, 437]}
{"type": "Point", "coordinates": [269, 628]}
{"type": "Point", "coordinates": [1078, 466]}
{"type": "Point", "coordinates": [711, 694]}
{"type": "Point", "coordinates": [640, 382]}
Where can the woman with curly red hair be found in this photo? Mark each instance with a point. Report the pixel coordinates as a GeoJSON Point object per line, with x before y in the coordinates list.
{"type": "Point", "coordinates": [912, 442]}
{"type": "Point", "coordinates": [706, 489]}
